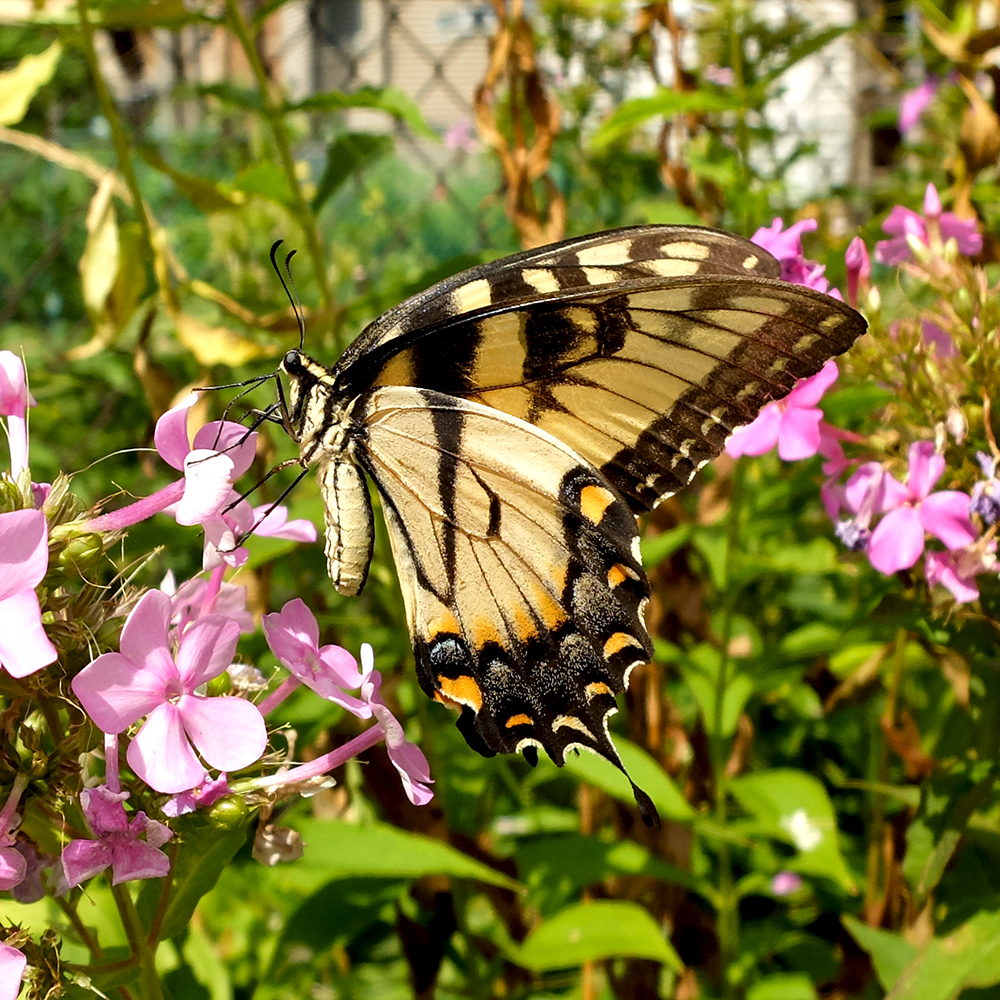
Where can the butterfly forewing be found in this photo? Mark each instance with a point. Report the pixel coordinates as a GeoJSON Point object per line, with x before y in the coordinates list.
{"type": "Point", "coordinates": [514, 419]}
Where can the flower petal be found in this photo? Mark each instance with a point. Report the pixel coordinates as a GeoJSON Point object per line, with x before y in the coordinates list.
{"type": "Point", "coordinates": [24, 646]}
{"type": "Point", "coordinates": [926, 468]}
{"type": "Point", "coordinates": [272, 522]}
{"type": "Point", "coordinates": [206, 649]}
{"type": "Point", "coordinates": [146, 635]}
{"type": "Point", "coordinates": [231, 439]}
{"type": "Point", "coordinates": [115, 693]}
{"type": "Point", "coordinates": [171, 435]}
{"type": "Point", "coordinates": [24, 551]}
{"type": "Point", "coordinates": [798, 435]}
{"type": "Point", "coordinates": [12, 964]}
{"type": "Point", "coordinates": [138, 859]}
{"type": "Point", "coordinates": [942, 568]}
{"type": "Point", "coordinates": [161, 755]}
{"type": "Point", "coordinates": [946, 516]}
{"type": "Point", "coordinates": [414, 771]}
{"type": "Point", "coordinates": [208, 485]}
{"type": "Point", "coordinates": [757, 437]}
{"type": "Point", "coordinates": [809, 391]}
{"type": "Point", "coordinates": [228, 732]}
{"type": "Point", "coordinates": [83, 859]}
{"type": "Point", "coordinates": [13, 867]}
{"type": "Point", "coordinates": [897, 541]}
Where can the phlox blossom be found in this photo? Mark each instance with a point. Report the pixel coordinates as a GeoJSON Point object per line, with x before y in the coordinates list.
{"type": "Point", "coordinates": [14, 402]}
{"type": "Point", "coordinates": [12, 965]}
{"type": "Point", "coordinates": [24, 558]}
{"type": "Point", "coordinates": [293, 635]}
{"type": "Point", "coordinates": [145, 679]}
{"type": "Point", "coordinates": [406, 757]}
{"type": "Point", "coordinates": [903, 224]}
{"type": "Point", "coordinates": [915, 102]}
{"type": "Point", "coordinates": [224, 530]}
{"type": "Point", "coordinates": [116, 842]}
{"type": "Point", "coordinates": [898, 540]}
{"type": "Point", "coordinates": [957, 570]}
{"type": "Point", "coordinates": [785, 245]}
{"type": "Point", "coordinates": [792, 423]}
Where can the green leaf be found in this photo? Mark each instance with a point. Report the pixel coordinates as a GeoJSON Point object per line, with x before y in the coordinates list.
{"type": "Point", "coordinates": [589, 932]}
{"type": "Point", "coordinates": [235, 96]}
{"type": "Point", "coordinates": [700, 670]}
{"type": "Point", "coordinates": [812, 639]}
{"type": "Point", "coordinates": [644, 771]}
{"type": "Point", "coordinates": [557, 866]}
{"type": "Point", "coordinates": [796, 53]}
{"type": "Point", "coordinates": [20, 84]}
{"type": "Point", "coordinates": [890, 953]}
{"type": "Point", "coordinates": [968, 957]}
{"type": "Point", "coordinates": [655, 550]}
{"type": "Point", "coordinates": [203, 193]}
{"type": "Point", "coordinates": [632, 114]}
{"type": "Point", "coordinates": [794, 807]}
{"type": "Point", "coordinates": [205, 850]}
{"type": "Point", "coordinates": [339, 849]}
{"type": "Point", "coordinates": [388, 99]}
{"type": "Point", "coordinates": [783, 986]}
{"type": "Point", "coordinates": [266, 180]}
{"type": "Point", "coordinates": [346, 154]}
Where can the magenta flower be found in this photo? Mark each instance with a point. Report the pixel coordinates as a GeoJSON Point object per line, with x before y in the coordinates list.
{"type": "Point", "coordinates": [220, 453]}
{"type": "Point", "coordinates": [903, 225]}
{"type": "Point", "coordinates": [935, 337]}
{"type": "Point", "coordinates": [118, 689]}
{"type": "Point", "coordinates": [24, 558]}
{"type": "Point", "coordinates": [786, 246]}
{"type": "Point", "coordinates": [293, 635]}
{"type": "Point", "coordinates": [957, 570]}
{"type": "Point", "coordinates": [792, 423]}
{"type": "Point", "coordinates": [915, 102]}
{"type": "Point", "coordinates": [116, 842]}
{"type": "Point", "coordinates": [12, 965]}
{"type": "Point", "coordinates": [14, 402]}
{"type": "Point", "coordinates": [859, 268]}
{"type": "Point", "coordinates": [206, 793]}
{"type": "Point", "coordinates": [197, 597]}
{"type": "Point", "coordinates": [13, 864]}
{"type": "Point", "coordinates": [898, 540]}
{"type": "Point", "coordinates": [461, 135]}
{"type": "Point", "coordinates": [224, 531]}
{"type": "Point", "coordinates": [785, 883]}
{"type": "Point", "coordinates": [407, 758]}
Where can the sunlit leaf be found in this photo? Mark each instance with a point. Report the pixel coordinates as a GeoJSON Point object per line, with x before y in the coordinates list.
{"type": "Point", "coordinates": [99, 263]}
{"type": "Point", "coordinates": [215, 345]}
{"type": "Point", "coordinates": [20, 84]}
{"type": "Point", "coordinates": [592, 931]}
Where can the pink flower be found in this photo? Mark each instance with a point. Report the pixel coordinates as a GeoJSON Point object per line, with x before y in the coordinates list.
{"type": "Point", "coordinates": [859, 268]}
{"type": "Point", "coordinates": [223, 532]}
{"type": "Point", "coordinates": [903, 224]}
{"type": "Point", "coordinates": [792, 423]}
{"type": "Point", "coordinates": [915, 102]}
{"type": "Point", "coordinates": [786, 247]}
{"type": "Point", "coordinates": [407, 758]}
{"type": "Point", "coordinates": [14, 402]}
{"type": "Point", "coordinates": [461, 135]}
{"type": "Point", "coordinates": [786, 883]}
{"type": "Point", "coordinates": [935, 337]}
{"type": "Point", "coordinates": [220, 453]}
{"type": "Point", "coordinates": [118, 689]}
{"type": "Point", "coordinates": [24, 558]}
{"type": "Point", "coordinates": [957, 570]}
{"type": "Point", "coordinates": [293, 635]}
{"type": "Point", "coordinates": [116, 842]}
{"type": "Point", "coordinates": [12, 965]}
{"type": "Point", "coordinates": [197, 597]}
{"type": "Point", "coordinates": [898, 540]}
{"type": "Point", "coordinates": [206, 793]}
{"type": "Point", "coordinates": [13, 864]}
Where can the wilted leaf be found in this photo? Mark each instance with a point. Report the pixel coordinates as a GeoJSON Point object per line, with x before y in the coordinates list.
{"type": "Point", "coordinates": [215, 345]}
{"type": "Point", "coordinates": [20, 84]}
{"type": "Point", "coordinates": [99, 263]}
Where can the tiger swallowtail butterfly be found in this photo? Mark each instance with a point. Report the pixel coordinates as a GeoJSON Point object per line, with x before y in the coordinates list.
{"type": "Point", "coordinates": [515, 420]}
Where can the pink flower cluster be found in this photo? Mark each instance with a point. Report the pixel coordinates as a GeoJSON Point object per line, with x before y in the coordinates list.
{"type": "Point", "coordinates": [906, 513]}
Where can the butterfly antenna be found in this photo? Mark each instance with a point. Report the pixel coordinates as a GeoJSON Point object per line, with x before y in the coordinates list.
{"type": "Point", "coordinates": [289, 286]}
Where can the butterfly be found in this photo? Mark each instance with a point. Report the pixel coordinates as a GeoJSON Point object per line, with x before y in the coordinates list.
{"type": "Point", "coordinates": [516, 419]}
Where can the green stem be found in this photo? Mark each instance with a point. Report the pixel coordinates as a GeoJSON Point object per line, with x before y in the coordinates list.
{"type": "Point", "coordinates": [79, 926]}
{"type": "Point", "coordinates": [149, 981]}
{"type": "Point", "coordinates": [728, 928]}
{"type": "Point", "coordinates": [739, 87]}
{"type": "Point", "coordinates": [118, 135]}
{"type": "Point", "coordinates": [274, 113]}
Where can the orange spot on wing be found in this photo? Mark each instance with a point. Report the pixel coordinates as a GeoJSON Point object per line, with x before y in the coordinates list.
{"type": "Point", "coordinates": [519, 720]}
{"type": "Point", "coordinates": [594, 501]}
{"type": "Point", "coordinates": [484, 631]}
{"type": "Point", "coordinates": [618, 642]}
{"type": "Point", "coordinates": [524, 624]}
{"type": "Point", "coordinates": [596, 688]}
{"type": "Point", "coordinates": [548, 610]}
{"type": "Point", "coordinates": [445, 624]}
{"type": "Point", "coordinates": [618, 574]}
{"type": "Point", "coordinates": [463, 690]}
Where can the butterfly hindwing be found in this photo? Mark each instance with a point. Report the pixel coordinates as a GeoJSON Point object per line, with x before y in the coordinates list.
{"type": "Point", "coordinates": [519, 568]}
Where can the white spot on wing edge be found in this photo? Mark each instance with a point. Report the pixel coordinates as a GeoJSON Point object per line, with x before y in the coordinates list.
{"type": "Point", "coordinates": [540, 279]}
{"type": "Point", "coordinates": [605, 254]}
{"type": "Point", "coordinates": [472, 295]}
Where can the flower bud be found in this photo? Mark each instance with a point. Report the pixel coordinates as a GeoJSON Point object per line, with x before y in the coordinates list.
{"type": "Point", "coordinates": [229, 813]}
{"type": "Point", "coordinates": [81, 552]}
{"type": "Point", "coordinates": [219, 685]}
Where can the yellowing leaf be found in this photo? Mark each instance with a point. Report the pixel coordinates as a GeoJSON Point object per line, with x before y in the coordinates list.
{"type": "Point", "coordinates": [213, 345]}
{"type": "Point", "coordinates": [20, 84]}
{"type": "Point", "coordinates": [99, 263]}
